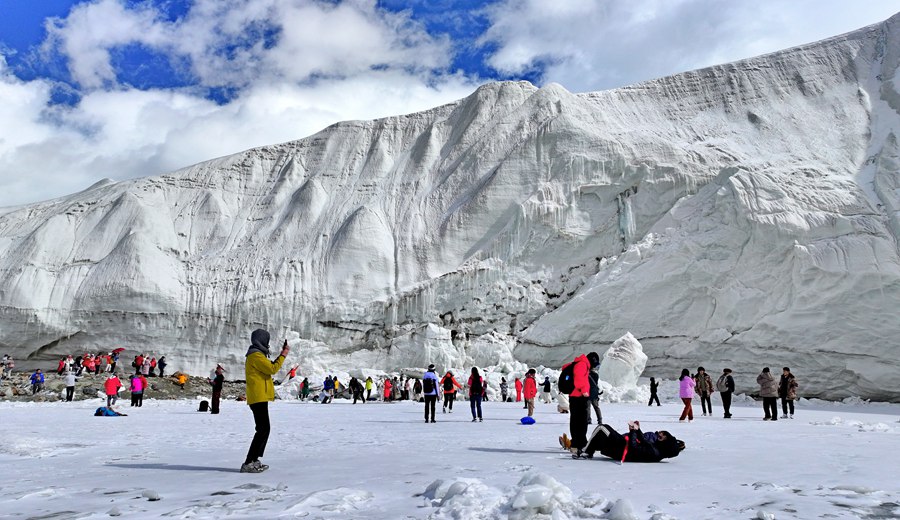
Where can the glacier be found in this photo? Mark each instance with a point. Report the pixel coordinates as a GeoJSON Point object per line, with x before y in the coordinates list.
{"type": "Point", "coordinates": [741, 215]}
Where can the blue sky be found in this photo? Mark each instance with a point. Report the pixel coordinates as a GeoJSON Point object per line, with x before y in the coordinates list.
{"type": "Point", "coordinates": [119, 89]}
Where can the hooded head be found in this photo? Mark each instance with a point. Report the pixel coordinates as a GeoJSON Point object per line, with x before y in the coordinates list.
{"type": "Point", "coordinates": [670, 446]}
{"type": "Point", "coordinates": [594, 359]}
{"type": "Point", "coordinates": [259, 342]}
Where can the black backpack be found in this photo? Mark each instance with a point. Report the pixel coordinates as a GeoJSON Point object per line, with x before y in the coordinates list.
{"type": "Point", "coordinates": [477, 387]}
{"type": "Point", "coordinates": [204, 406]}
{"type": "Point", "coordinates": [567, 379]}
{"type": "Point", "coordinates": [428, 385]}
{"type": "Point", "coordinates": [448, 383]}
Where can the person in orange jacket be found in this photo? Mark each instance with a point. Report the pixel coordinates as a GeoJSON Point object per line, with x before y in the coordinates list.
{"type": "Point", "coordinates": [450, 386]}
{"type": "Point", "coordinates": [579, 401]}
{"type": "Point", "coordinates": [530, 391]}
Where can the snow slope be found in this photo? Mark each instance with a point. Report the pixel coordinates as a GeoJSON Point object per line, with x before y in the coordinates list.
{"type": "Point", "coordinates": [381, 461]}
{"type": "Point", "coordinates": [745, 214]}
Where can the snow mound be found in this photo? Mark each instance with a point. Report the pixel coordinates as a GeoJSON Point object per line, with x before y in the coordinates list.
{"type": "Point", "coordinates": [624, 362]}
{"type": "Point", "coordinates": [858, 425]}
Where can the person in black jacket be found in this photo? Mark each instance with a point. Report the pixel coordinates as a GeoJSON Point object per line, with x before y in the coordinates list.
{"type": "Point", "coordinates": [217, 384]}
{"type": "Point", "coordinates": [637, 446]}
{"type": "Point", "coordinates": [594, 398]}
{"type": "Point", "coordinates": [654, 386]}
{"type": "Point", "coordinates": [726, 394]}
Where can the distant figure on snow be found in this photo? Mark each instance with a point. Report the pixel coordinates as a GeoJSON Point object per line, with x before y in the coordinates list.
{"type": "Point", "coordinates": [217, 384]}
{"type": "Point", "coordinates": [430, 389]}
{"type": "Point", "coordinates": [476, 393]}
{"type": "Point", "coordinates": [686, 393]}
{"type": "Point", "coordinates": [768, 390]}
{"type": "Point", "coordinates": [787, 391]}
{"type": "Point", "coordinates": [112, 386]}
{"type": "Point", "coordinates": [518, 384]}
{"type": "Point", "coordinates": [704, 388]}
{"type": "Point", "coordinates": [530, 390]}
{"type": "Point", "coordinates": [725, 386]}
{"type": "Point", "coordinates": [654, 387]}
{"type": "Point", "coordinates": [449, 384]}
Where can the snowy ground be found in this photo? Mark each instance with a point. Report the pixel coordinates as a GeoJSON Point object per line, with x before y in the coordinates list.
{"type": "Point", "coordinates": [379, 461]}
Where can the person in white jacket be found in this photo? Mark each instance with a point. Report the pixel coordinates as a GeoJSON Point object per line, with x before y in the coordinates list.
{"type": "Point", "coordinates": [70, 385]}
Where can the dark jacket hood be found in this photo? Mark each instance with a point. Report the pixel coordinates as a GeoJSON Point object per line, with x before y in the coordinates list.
{"type": "Point", "coordinates": [259, 342]}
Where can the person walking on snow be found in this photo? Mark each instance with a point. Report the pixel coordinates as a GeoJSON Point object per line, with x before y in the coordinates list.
{"type": "Point", "coordinates": [518, 385]}
{"type": "Point", "coordinates": [578, 400]}
{"type": "Point", "coordinates": [388, 388]}
{"type": "Point", "coordinates": [136, 388]}
{"type": "Point", "coordinates": [417, 390]}
{"type": "Point", "coordinates": [112, 386]}
{"type": "Point", "coordinates": [217, 383]}
{"type": "Point", "coordinates": [504, 389]}
{"type": "Point", "coordinates": [787, 391]}
{"type": "Point", "coordinates": [258, 371]}
{"type": "Point", "coordinates": [430, 389]}
{"type": "Point", "coordinates": [594, 378]}
{"type": "Point", "coordinates": [476, 394]}
{"type": "Point", "coordinates": [686, 393]}
{"type": "Point", "coordinates": [70, 386]}
{"type": "Point", "coordinates": [161, 364]}
{"type": "Point", "coordinates": [530, 391]}
{"type": "Point", "coordinates": [654, 386]}
{"type": "Point", "coordinates": [725, 386]}
{"type": "Point", "coordinates": [546, 397]}
{"type": "Point", "coordinates": [449, 385]}
{"type": "Point", "coordinates": [768, 390]}
{"type": "Point", "coordinates": [369, 385]}
{"type": "Point", "coordinates": [704, 388]}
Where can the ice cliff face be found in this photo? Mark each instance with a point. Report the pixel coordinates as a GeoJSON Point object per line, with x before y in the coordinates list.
{"type": "Point", "coordinates": [742, 215]}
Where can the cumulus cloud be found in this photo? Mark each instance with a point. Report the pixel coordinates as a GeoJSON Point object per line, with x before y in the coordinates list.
{"type": "Point", "coordinates": [590, 45]}
{"type": "Point", "coordinates": [296, 66]}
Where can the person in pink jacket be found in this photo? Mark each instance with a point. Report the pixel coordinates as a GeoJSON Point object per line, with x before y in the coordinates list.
{"type": "Point", "coordinates": [686, 392]}
{"type": "Point", "coordinates": [137, 390]}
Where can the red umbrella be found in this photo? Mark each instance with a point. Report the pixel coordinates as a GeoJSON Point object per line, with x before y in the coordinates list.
{"type": "Point", "coordinates": [117, 350]}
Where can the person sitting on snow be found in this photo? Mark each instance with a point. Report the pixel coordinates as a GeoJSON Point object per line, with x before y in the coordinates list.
{"type": "Point", "coordinates": [636, 446]}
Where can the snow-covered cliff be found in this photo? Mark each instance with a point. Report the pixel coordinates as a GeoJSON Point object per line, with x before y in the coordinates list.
{"type": "Point", "coordinates": [742, 215]}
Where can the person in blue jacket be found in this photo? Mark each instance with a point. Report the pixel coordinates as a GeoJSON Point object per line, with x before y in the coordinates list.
{"type": "Point", "coordinates": [430, 390]}
{"type": "Point", "coordinates": [37, 381]}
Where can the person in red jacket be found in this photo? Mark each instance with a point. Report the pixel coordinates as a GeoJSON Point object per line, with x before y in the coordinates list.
{"type": "Point", "coordinates": [518, 390]}
{"type": "Point", "coordinates": [579, 401]}
{"type": "Point", "coordinates": [530, 391]}
{"type": "Point", "coordinates": [112, 386]}
{"type": "Point", "coordinates": [388, 386]}
{"type": "Point", "coordinates": [449, 384]}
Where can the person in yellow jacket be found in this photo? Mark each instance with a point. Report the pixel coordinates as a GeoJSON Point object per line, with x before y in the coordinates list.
{"type": "Point", "coordinates": [260, 390]}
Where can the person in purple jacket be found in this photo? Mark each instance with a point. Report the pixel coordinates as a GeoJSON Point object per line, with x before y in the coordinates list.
{"type": "Point", "coordinates": [430, 390]}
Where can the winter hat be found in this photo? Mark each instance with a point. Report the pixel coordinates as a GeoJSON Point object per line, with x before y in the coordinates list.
{"type": "Point", "coordinates": [431, 366]}
{"type": "Point", "coordinates": [593, 359]}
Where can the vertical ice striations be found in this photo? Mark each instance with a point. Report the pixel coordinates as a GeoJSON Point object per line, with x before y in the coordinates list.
{"type": "Point", "coordinates": [733, 214]}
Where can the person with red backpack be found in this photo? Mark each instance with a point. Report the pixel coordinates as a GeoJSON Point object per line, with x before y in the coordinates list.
{"type": "Point", "coordinates": [579, 398]}
{"type": "Point", "coordinates": [450, 385]}
{"type": "Point", "coordinates": [476, 394]}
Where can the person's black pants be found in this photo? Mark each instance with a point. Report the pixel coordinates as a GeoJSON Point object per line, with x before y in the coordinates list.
{"type": "Point", "coordinates": [70, 392]}
{"type": "Point", "coordinates": [654, 397]}
{"type": "Point", "coordinates": [448, 400]}
{"type": "Point", "coordinates": [134, 398]}
{"type": "Point", "coordinates": [726, 403]}
{"type": "Point", "coordinates": [787, 404]}
{"type": "Point", "coordinates": [475, 404]}
{"type": "Point", "coordinates": [607, 441]}
{"type": "Point", "coordinates": [140, 399]}
{"type": "Point", "coordinates": [261, 437]}
{"type": "Point", "coordinates": [430, 404]}
{"type": "Point", "coordinates": [705, 402]}
{"type": "Point", "coordinates": [770, 407]}
{"type": "Point", "coordinates": [111, 400]}
{"type": "Point", "coordinates": [578, 421]}
{"type": "Point", "coordinates": [215, 401]}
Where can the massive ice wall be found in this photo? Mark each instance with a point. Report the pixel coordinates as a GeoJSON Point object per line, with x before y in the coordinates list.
{"type": "Point", "coordinates": [743, 214]}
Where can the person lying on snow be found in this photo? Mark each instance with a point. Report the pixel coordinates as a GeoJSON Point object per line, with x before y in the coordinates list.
{"type": "Point", "coordinates": [107, 411]}
{"type": "Point", "coordinates": [636, 446]}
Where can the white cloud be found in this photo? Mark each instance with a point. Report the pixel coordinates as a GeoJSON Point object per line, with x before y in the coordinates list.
{"type": "Point", "coordinates": [594, 45]}
{"type": "Point", "coordinates": [329, 63]}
